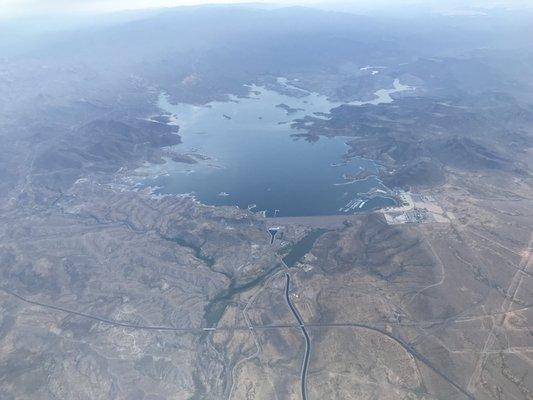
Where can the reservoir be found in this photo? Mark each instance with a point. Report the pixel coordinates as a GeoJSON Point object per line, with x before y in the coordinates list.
{"type": "Point", "coordinates": [246, 156]}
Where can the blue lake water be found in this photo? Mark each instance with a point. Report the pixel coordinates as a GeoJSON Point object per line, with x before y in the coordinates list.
{"type": "Point", "coordinates": [248, 158]}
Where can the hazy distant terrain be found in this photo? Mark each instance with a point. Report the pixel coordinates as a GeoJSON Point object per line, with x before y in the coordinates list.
{"type": "Point", "coordinates": [112, 290]}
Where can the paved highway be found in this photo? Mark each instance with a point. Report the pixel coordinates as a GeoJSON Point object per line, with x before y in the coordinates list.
{"type": "Point", "coordinates": [301, 324]}
{"type": "Point", "coordinates": [376, 328]}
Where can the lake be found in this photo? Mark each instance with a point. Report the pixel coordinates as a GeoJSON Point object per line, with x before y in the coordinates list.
{"type": "Point", "coordinates": [248, 158]}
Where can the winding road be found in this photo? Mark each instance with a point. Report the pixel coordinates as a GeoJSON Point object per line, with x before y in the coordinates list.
{"type": "Point", "coordinates": [305, 364]}
{"type": "Point", "coordinates": [303, 327]}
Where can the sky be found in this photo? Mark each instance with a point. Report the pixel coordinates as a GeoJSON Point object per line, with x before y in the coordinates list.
{"type": "Point", "coordinates": [25, 7]}
{"type": "Point", "coordinates": [10, 8]}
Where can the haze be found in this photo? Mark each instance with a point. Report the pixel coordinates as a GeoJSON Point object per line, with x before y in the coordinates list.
{"type": "Point", "coordinates": [253, 202]}
{"type": "Point", "coordinates": [18, 8]}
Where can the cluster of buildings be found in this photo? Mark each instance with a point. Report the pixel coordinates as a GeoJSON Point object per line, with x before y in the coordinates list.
{"type": "Point", "coordinates": [414, 209]}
